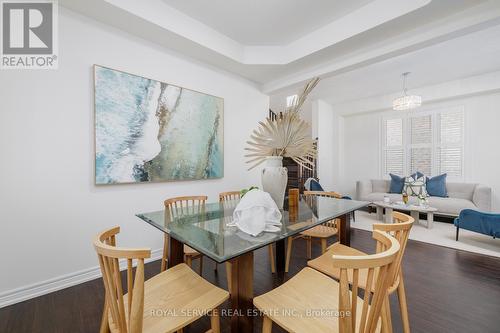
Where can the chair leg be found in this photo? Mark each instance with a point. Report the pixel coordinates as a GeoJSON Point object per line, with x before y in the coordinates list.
{"type": "Point", "coordinates": [228, 275]}
{"type": "Point", "coordinates": [383, 318]}
{"type": "Point", "coordinates": [403, 306]}
{"type": "Point", "coordinates": [309, 247]}
{"type": "Point", "coordinates": [201, 266]}
{"type": "Point", "coordinates": [387, 306]}
{"type": "Point", "coordinates": [104, 321]}
{"type": "Point", "coordinates": [323, 245]}
{"type": "Point", "coordinates": [288, 253]}
{"type": "Point", "coordinates": [267, 325]}
{"type": "Point", "coordinates": [165, 254]}
{"type": "Point", "coordinates": [215, 321]}
{"type": "Point", "coordinates": [271, 258]}
{"type": "Point", "coordinates": [456, 238]}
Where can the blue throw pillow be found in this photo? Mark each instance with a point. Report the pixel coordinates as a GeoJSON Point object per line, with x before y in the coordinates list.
{"type": "Point", "coordinates": [315, 186]}
{"type": "Point", "coordinates": [397, 184]}
{"type": "Point", "coordinates": [436, 186]}
{"type": "Point", "coordinates": [417, 175]}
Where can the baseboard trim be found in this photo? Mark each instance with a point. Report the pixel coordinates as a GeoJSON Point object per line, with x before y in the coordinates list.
{"type": "Point", "coordinates": [61, 282]}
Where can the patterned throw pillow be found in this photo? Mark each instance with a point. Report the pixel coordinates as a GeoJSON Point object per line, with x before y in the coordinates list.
{"type": "Point", "coordinates": [415, 187]}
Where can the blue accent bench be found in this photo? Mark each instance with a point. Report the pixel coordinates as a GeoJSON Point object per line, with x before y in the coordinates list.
{"type": "Point", "coordinates": [484, 223]}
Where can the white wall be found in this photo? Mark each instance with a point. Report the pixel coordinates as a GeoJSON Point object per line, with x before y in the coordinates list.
{"type": "Point", "coordinates": [50, 209]}
{"type": "Point", "coordinates": [328, 128]}
{"type": "Point", "coordinates": [482, 137]}
{"type": "Point", "coordinates": [361, 151]}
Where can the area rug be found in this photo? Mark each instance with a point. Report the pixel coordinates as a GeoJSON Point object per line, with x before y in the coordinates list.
{"type": "Point", "coordinates": [442, 234]}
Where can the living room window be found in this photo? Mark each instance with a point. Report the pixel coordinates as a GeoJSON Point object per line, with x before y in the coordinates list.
{"type": "Point", "coordinates": [429, 142]}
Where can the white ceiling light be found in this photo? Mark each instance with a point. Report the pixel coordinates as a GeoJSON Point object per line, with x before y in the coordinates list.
{"type": "Point", "coordinates": [406, 102]}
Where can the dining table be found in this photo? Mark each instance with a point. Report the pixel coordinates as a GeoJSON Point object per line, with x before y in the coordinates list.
{"type": "Point", "coordinates": [210, 230]}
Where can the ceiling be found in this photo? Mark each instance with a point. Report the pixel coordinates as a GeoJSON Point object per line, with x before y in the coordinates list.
{"type": "Point", "coordinates": [269, 22]}
{"type": "Point", "coordinates": [466, 56]}
{"type": "Point", "coordinates": [279, 44]}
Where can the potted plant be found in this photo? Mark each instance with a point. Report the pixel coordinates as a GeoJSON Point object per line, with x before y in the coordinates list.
{"type": "Point", "coordinates": [285, 136]}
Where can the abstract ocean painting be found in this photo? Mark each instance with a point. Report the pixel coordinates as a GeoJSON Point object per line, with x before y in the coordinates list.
{"type": "Point", "coordinates": [149, 131]}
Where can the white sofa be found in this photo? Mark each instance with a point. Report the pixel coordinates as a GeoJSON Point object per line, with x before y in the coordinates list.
{"type": "Point", "coordinates": [460, 196]}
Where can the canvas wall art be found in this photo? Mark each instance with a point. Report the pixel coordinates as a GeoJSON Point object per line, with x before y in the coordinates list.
{"type": "Point", "coordinates": [149, 131]}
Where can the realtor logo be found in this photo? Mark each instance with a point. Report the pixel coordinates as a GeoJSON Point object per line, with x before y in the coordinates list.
{"type": "Point", "coordinates": [29, 35]}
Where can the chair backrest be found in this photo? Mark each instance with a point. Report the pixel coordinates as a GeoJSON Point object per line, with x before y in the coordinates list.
{"type": "Point", "coordinates": [400, 230]}
{"type": "Point", "coordinates": [310, 195]}
{"type": "Point", "coordinates": [109, 256]}
{"type": "Point", "coordinates": [185, 205]}
{"type": "Point", "coordinates": [380, 268]}
{"type": "Point", "coordinates": [232, 195]}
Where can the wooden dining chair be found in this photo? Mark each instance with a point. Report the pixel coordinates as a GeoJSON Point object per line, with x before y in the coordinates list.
{"type": "Point", "coordinates": [321, 232]}
{"type": "Point", "coordinates": [313, 302]}
{"type": "Point", "coordinates": [228, 196]}
{"type": "Point", "coordinates": [236, 195]}
{"type": "Point", "coordinates": [183, 206]}
{"type": "Point", "coordinates": [400, 229]}
{"type": "Point", "coordinates": [148, 306]}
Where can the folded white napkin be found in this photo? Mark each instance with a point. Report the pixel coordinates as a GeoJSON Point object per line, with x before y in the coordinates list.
{"type": "Point", "coordinates": [257, 212]}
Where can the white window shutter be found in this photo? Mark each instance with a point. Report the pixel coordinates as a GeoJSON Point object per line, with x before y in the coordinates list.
{"type": "Point", "coordinates": [394, 132]}
{"type": "Point", "coordinates": [430, 142]}
{"type": "Point", "coordinates": [420, 147]}
{"type": "Point", "coordinates": [394, 161]}
{"type": "Point", "coordinates": [393, 147]}
{"type": "Point", "coordinates": [450, 149]}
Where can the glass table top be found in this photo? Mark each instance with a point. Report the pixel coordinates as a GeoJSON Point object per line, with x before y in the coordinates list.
{"type": "Point", "coordinates": [209, 228]}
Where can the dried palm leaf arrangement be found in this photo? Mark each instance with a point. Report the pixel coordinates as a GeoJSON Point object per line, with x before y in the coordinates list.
{"type": "Point", "coordinates": [287, 135]}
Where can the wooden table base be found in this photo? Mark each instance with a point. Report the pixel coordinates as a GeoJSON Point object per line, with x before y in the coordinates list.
{"type": "Point", "coordinates": [280, 256]}
{"type": "Point", "coordinates": [175, 252]}
{"type": "Point", "coordinates": [242, 309]}
{"type": "Point", "coordinates": [345, 229]}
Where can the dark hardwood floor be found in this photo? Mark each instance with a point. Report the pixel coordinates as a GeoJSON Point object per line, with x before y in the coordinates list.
{"type": "Point", "coordinates": [448, 291]}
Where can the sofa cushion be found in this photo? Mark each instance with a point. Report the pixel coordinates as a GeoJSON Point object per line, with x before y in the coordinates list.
{"type": "Point", "coordinates": [380, 185]}
{"type": "Point", "coordinates": [436, 186]}
{"type": "Point", "coordinates": [415, 187]}
{"type": "Point", "coordinates": [397, 184]}
{"type": "Point", "coordinates": [451, 206]}
{"type": "Point", "coordinates": [460, 190]}
{"type": "Point", "coordinates": [417, 174]}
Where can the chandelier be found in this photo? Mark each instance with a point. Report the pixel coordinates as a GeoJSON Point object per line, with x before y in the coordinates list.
{"type": "Point", "coordinates": [406, 102]}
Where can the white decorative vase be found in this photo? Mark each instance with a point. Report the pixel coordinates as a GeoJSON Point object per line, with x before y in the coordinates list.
{"type": "Point", "coordinates": [274, 179]}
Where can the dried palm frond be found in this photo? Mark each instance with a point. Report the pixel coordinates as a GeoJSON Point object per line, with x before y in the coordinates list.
{"type": "Point", "coordinates": [288, 136]}
{"type": "Point", "coordinates": [298, 102]}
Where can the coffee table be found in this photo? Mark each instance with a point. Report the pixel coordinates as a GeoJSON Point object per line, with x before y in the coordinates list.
{"type": "Point", "coordinates": [414, 210]}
